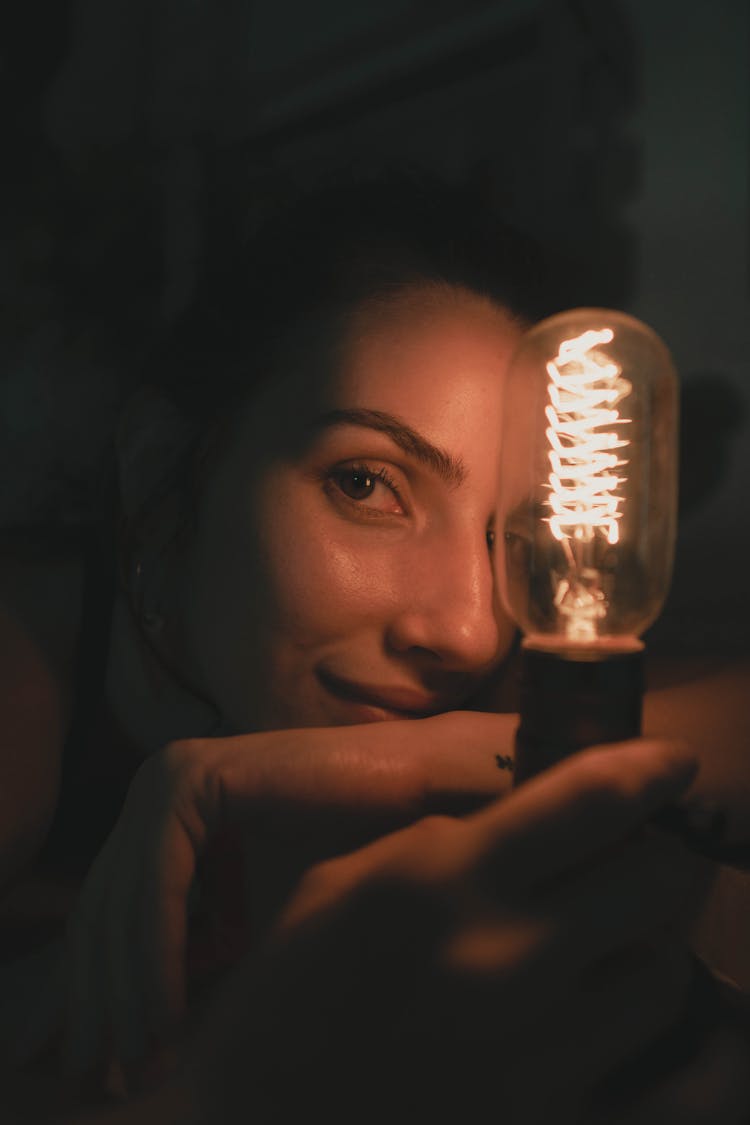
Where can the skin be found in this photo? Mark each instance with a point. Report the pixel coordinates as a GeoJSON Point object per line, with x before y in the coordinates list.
{"type": "Point", "coordinates": [331, 584]}
{"type": "Point", "coordinates": [314, 598]}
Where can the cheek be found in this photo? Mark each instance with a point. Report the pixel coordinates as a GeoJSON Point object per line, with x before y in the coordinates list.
{"type": "Point", "coordinates": [323, 575]}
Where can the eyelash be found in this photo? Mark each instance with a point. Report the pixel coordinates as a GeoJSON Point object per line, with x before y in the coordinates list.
{"type": "Point", "coordinates": [361, 469]}
{"type": "Point", "coordinates": [332, 479]}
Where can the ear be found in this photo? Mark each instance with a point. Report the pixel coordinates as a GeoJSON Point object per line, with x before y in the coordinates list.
{"type": "Point", "coordinates": [152, 435]}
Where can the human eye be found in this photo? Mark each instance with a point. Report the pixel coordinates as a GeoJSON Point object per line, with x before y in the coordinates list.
{"type": "Point", "coordinates": [517, 550]}
{"type": "Point", "coordinates": [369, 490]}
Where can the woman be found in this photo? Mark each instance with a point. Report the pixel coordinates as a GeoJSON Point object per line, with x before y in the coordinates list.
{"type": "Point", "coordinates": [307, 615]}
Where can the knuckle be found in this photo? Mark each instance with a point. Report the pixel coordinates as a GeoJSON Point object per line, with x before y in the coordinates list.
{"type": "Point", "coordinates": [602, 781]}
{"type": "Point", "coordinates": [174, 781]}
{"type": "Point", "coordinates": [433, 858]}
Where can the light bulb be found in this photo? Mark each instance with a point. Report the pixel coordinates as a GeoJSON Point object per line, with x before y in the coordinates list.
{"type": "Point", "coordinates": [588, 503]}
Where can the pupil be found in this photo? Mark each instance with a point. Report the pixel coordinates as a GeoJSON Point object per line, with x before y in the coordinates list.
{"type": "Point", "coordinates": [360, 485]}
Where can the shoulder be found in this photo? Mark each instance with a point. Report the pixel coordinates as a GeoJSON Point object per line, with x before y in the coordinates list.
{"type": "Point", "coordinates": [40, 604]}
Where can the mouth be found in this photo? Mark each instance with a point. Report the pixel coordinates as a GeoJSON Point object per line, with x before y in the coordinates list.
{"type": "Point", "coordinates": [376, 703]}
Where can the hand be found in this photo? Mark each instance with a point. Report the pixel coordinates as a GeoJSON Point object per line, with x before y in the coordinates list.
{"type": "Point", "coordinates": [291, 797]}
{"type": "Point", "coordinates": [501, 964]}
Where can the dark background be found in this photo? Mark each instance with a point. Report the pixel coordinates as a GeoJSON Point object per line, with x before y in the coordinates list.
{"type": "Point", "coordinates": [140, 135]}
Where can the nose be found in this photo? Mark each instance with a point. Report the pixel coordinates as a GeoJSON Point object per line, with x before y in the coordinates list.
{"type": "Point", "coordinates": [448, 604]}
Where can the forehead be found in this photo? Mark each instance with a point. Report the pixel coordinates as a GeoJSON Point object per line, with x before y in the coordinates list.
{"type": "Point", "coordinates": [435, 357]}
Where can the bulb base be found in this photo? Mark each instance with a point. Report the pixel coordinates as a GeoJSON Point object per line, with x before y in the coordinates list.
{"type": "Point", "coordinates": [570, 700]}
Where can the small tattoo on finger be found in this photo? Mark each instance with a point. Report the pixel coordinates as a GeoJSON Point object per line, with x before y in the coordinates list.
{"type": "Point", "coordinates": [504, 762]}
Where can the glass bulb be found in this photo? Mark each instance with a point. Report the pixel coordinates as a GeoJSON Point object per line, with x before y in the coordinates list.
{"type": "Point", "coordinates": [588, 482]}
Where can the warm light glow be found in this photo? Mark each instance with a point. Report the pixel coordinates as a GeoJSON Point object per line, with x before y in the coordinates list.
{"type": "Point", "coordinates": [588, 482]}
{"type": "Point", "coordinates": [585, 388]}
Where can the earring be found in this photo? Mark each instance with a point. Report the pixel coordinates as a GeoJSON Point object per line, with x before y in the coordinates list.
{"type": "Point", "coordinates": [149, 616]}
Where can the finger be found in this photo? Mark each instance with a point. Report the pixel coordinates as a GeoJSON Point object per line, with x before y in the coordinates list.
{"type": "Point", "coordinates": [223, 878]}
{"type": "Point", "coordinates": [354, 776]}
{"type": "Point", "coordinates": [421, 861]}
{"type": "Point", "coordinates": [469, 760]}
{"type": "Point", "coordinates": [579, 807]}
{"type": "Point", "coordinates": [499, 966]}
{"type": "Point", "coordinates": [625, 898]}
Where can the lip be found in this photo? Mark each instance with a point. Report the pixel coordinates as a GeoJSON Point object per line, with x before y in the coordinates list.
{"type": "Point", "coordinates": [384, 702]}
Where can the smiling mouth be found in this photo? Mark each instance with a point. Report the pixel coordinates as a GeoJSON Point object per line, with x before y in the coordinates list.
{"type": "Point", "coordinates": [390, 702]}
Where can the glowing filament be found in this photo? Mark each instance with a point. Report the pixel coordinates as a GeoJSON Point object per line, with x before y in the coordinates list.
{"type": "Point", "coordinates": [585, 388]}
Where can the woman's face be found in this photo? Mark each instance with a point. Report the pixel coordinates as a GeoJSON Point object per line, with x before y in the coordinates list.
{"type": "Point", "coordinates": [341, 571]}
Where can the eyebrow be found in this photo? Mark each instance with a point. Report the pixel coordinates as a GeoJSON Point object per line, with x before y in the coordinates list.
{"type": "Point", "coordinates": [448, 468]}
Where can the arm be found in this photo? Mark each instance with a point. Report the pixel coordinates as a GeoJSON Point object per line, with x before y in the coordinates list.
{"type": "Point", "coordinates": [275, 802]}
{"type": "Point", "coordinates": [427, 960]}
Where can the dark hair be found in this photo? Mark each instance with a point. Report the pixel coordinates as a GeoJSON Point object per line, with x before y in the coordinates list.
{"type": "Point", "coordinates": [277, 303]}
{"type": "Point", "coordinates": [318, 255]}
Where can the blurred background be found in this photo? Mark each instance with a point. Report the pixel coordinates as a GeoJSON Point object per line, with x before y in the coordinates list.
{"type": "Point", "coordinates": [139, 137]}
